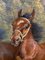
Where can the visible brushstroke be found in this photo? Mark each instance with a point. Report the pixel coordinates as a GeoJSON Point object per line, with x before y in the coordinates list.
{"type": "Point", "coordinates": [2, 34]}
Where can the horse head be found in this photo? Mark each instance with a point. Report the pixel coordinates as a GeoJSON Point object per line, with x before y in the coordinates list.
{"type": "Point", "coordinates": [21, 27]}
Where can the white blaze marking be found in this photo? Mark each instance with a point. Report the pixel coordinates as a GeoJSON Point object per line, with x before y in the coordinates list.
{"type": "Point", "coordinates": [20, 22]}
{"type": "Point", "coordinates": [27, 20]}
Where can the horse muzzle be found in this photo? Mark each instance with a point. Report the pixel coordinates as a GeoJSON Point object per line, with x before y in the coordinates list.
{"type": "Point", "coordinates": [17, 38]}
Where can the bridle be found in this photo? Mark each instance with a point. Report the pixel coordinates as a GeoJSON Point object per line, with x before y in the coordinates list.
{"type": "Point", "coordinates": [26, 26]}
{"type": "Point", "coordinates": [20, 33]}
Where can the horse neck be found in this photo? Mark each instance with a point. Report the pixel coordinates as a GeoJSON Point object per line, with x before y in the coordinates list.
{"type": "Point", "coordinates": [30, 38]}
{"type": "Point", "coordinates": [31, 44]}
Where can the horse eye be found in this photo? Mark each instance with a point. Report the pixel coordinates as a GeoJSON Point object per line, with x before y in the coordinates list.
{"type": "Point", "coordinates": [27, 26]}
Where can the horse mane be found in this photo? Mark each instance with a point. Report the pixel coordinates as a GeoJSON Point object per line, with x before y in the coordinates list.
{"type": "Point", "coordinates": [36, 29]}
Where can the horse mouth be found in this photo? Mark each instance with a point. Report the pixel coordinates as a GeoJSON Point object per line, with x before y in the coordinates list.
{"type": "Point", "coordinates": [18, 39]}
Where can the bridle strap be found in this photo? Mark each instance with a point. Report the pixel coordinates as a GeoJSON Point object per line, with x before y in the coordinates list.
{"type": "Point", "coordinates": [19, 30]}
{"type": "Point", "coordinates": [26, 20]}
{"type": "Point", "coordinates": [28, 27]}
{"type": "Point", "coordinates": [24, 27]}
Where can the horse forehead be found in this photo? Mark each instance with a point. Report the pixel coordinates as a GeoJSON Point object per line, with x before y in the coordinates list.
{"type": "Point", "coordinates": [22, 21]}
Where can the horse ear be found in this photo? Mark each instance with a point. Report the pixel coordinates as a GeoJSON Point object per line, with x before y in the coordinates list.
{"type": "Point", "coordinates": [32, 15]}
{"type": "Point", "coordinates": [19, 13]}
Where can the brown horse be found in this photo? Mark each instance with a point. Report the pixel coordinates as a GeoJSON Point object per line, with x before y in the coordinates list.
{"type": "Point", "coordinates": [22, 36]}
{"type": "Point", "coordinates": [9, 51]}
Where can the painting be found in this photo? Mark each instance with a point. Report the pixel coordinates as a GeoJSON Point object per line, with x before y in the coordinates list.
{"type": "Point", "coordinates": [9, 10]}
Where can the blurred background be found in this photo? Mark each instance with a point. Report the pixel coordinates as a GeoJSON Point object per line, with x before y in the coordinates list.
{"type": "Point", "coordinates": [9, 12]}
